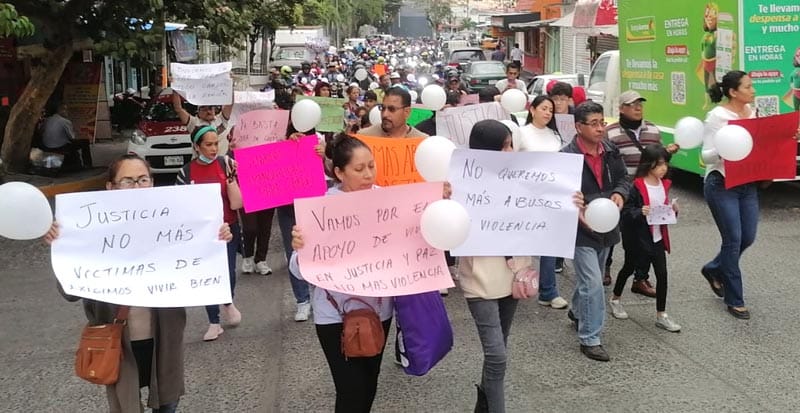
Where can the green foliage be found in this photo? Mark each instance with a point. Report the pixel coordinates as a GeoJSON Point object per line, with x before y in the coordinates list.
{"type": "Point", "coordinates": [437, 12]}
{"type": "Point", "coordinates": [12, 24]}
{"type": "Point", "coordinates": [349, 15]}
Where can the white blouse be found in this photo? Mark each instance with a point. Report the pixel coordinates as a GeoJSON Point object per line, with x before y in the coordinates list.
{"type": "Point", "coordinates": [533, 139]}
{"type": "Point", "coordinates": [715, 120]}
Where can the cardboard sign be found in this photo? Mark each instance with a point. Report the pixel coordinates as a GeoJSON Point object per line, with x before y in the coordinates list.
{"type": "Point", "coordinates": [332, 113]}
{"type": "Point", "coordinates": [368, 242]}
{"type": "Point", "coordinates": [520, 203]}
{"type": "Point", "coordinates": [774, 150]}
{"type": "Point", "coordinates": [277, 173]}
{"type": "Point", "coordinates": [456, 123]}
{"type": "Point", "coordinates": [394, 159]}
{"type": "Point", "coordinates": [565, 123]}
{"type": "Point", "coordinates": [261, 126]}
{"type": "Point", "coordinates": [153, 247]}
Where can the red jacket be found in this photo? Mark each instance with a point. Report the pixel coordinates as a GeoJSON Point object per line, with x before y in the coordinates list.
{"type": "Point", "coordinates": [634, 222]}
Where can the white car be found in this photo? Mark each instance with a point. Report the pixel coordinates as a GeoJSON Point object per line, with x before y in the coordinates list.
{"type": "Point", "coordinates": [537, 86]}
{"type": "Point", "coordinates": [161, 138]}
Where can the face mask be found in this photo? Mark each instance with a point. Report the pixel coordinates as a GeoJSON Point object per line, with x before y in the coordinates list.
{"type": "Point", "coordinates": [202, 158]}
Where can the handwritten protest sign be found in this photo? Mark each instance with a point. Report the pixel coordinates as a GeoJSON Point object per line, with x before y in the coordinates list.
{"type": "Point", "coordinates": [205, 92]}
{"type": "Point", "coordinates": [154, 247]}
{"type": "Point", "coordinates": [472, 99]}
{"type": "Point", "coordinates": [394, 159]}
{"type": "Point", "coordinates": [565, 123]}
{"type": "Point", "coordinates": [201, 71]}
{"type": "Point", "coordinates": [277, 173]}
{"type": "Point", "coordinates": [261, 126]}
{"type": "Point", "coordinates": [418, 115]}
{"type": "Point", "coordinates": [456, 123]}
{"type": "Point", "coordinates": [662, 215]}
{"type": "Point", "coordinates": [332, 113]}
{"type": "Point", "coordinates": [520, 203]}
{"type": "Point", "coordinates": [774, 150]}
{"type": "Point", "coordinates": [245, 101]}
{"type": "Point", "coordinates": [369, 243]}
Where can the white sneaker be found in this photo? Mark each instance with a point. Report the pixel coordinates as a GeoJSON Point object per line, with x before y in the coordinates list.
{"type": "Point", "coordinates": [558, 303]}
{"type": "Point", "coordinates": [444, 292]}
{"type": "Point", "coordinates": [214, 330]}
{"type": "Point", "coordinates": [303, 311]}
{"type": "Point", "coordinates": [247, 265]}
{"type": "Point", "coordinates": [617, 310]}
{"type": "Point", "coordinates": [663, 321]}
{"type": "Point", "coordinates": [231, 315]}
{"type": "Point", "coordinates": [262, 268]}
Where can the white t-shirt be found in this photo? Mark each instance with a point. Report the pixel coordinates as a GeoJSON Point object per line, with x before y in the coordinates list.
{"type": "Point", "coordinates": [657, 197]}
{"type": "Point", "coordinates": [533, 139]}
{"type": "Point", "coordinates": [503, 84]}
{"type": "Point", "coordinates": [516, 54]}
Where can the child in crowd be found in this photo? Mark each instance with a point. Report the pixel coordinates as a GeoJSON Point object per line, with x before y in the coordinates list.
{"type": "Point", "coordinates": [650, 242]}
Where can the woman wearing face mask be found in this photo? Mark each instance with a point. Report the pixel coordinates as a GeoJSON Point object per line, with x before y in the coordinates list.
{"type": "Point", "coordinates": [540, 135]}
{"type": "Point", "coordinates": [209, 168]}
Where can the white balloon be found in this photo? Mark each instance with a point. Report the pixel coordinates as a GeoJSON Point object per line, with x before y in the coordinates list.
{"type": "Point", "coordinates": [373, 86]}
{"type": "Point", "coordinates": [513, 100]}
{"type": "Point", "coordinates": [733, 142]}
{"type": "Point", "coordinates": [434, 97]}
{"type": "Point", "coordinates": [361, 74]}
{"type": "Point", "coordinates": [432, 158]}
{"type": "Point", "coordinates": [602, 215]}
{"type": "Point", "coordinates": [306, 115]}
{"type": "Point", "coordinates": [689, 132]}
{"type": "Point", "coordinates": [340, 77]}
{"type": "Point", "coordinates": [414, 96]}
{"type": "Point", "coordinates": [444, 224]}
{"type": "Point", "coordinates": [26, 212]}
{"type": "Point", "coordinates": [375, 115]}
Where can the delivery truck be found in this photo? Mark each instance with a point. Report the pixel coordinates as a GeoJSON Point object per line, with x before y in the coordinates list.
{"type": "Point", "coordinates": [672, 51]}
{"type": "Point", "coordinates": [293, 46]}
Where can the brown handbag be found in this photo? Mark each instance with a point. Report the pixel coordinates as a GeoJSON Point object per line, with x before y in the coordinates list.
{"type": "Point", "coordinates": [100, 350]}
{"type": "Point", "coordinates": [362, 331]}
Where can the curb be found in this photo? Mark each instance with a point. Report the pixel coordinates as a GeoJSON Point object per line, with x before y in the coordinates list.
{"type": "Point", "coordinates": [88, 184]}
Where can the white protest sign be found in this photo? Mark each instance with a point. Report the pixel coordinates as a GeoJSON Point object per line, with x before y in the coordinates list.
{"type": "Point", "coordinates": [154, 247]}
{"type": "Point", "coordinates": [565, 123]}
{"type": "Point", "coordinates": [520, 203]}
{"type": "Point", "coordinates": [662, 215]}
{"type": "Point", "coordinates": [456, 123]}
{"type": "Point", "coordinates": [201, 71]}
{"type": "Point", "coordinates": [211, 91]}
{"type": "Point", "coordinates": [245, 101]}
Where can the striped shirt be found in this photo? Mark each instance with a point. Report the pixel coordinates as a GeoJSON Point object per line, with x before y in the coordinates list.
{"type": "Point", "coordinates": [626, 140]}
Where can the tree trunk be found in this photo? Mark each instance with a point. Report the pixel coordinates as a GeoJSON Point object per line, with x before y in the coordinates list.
{"type": "Point", "coordinates": [45, 73]}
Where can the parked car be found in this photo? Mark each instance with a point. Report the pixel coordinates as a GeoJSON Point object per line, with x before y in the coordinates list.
{"type": "Point", "coordinates": [161, 138]}
{"type": "Point", "coordinates": [464, 56]}
{"type": "Point", "coordinates": [538, 84]}
{"type": "Point", "coordinates": [483, 73]}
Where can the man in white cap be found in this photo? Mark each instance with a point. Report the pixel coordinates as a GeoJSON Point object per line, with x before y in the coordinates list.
{"type": "Point", "coordinates": [395, 78]}
{"type": "Point", "coordinates": [631, 135]}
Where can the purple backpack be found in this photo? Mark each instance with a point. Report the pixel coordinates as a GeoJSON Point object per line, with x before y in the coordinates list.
{"type": "Point", "coordinates": [424, 334]}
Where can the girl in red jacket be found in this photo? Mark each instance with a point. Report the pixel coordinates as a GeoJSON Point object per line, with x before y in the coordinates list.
{"type": "Point", "coordinates": [650, 242]}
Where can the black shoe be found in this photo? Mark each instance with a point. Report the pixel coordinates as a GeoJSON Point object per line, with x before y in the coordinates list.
{"type": "Point", "coordinates": [559, 265]}
{"type": "Point", "coordinates": [595, 352]}
{"type": "Point", "coordinates": [740, 314]}
{"type": "Point", "coordinates": [718, 291]}
{"type": "Point", "coordinates": [572, 318]}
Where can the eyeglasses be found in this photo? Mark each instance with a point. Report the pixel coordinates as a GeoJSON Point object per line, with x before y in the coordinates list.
{"type": "Point", "coordinates": [595, 123]}
{"type": "Point", "coordinates": [142, 181]}
{"type": "Point", "coordinates": [391, 109]}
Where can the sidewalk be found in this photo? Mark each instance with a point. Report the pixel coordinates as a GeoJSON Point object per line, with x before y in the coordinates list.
{"type": "Point", "coordinates": [103, 153]}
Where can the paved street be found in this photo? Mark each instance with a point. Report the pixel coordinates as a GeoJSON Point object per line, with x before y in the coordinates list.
{"type": "Point", "coordinates": [272, 364]}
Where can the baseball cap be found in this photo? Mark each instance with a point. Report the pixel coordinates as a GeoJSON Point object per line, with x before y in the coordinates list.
{"type": "Point", "coordinates": [630, 96]}
{"type": "Point", "coordinates": [394, 75]}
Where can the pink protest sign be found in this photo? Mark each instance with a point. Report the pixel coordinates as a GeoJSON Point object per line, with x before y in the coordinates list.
{"type": "Point", "coordinates": [277, 173]}
{"type": "Point", "coordinates": [261, 126]}
{"type": "Point", "coordinates": [368, 242]}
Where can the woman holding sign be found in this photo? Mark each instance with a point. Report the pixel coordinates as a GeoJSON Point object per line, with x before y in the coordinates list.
{"type": "Point", "coordinates": [355, 378]}
{"type": "Point", "coordinates": [209, 168]}
{"type": "Point", "coordinates": [152, 340]}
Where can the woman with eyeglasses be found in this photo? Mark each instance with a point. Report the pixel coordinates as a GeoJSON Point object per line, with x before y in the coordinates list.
{"type": "Point", "coordinates": [208, 168]}
{"type": "Point", "coordinates": [152, 340]}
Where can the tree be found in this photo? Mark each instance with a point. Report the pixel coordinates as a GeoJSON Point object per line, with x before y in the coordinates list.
{"type": "Point", "coordinates": [436, 12]}
{"type": "Point", "coordinates": [12, 24]}
{"type": "Point", "coordinates": [468, 24]}
{"type": "Point", "coordinates": [347, 16]}
{"type": "Point", "coordinates": [65, 27]}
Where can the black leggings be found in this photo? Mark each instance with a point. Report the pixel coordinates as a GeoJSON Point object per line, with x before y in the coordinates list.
{"type": "Point", "coordinates": [355, 379]}
{"type": "Point", "coordinates": [658, 258]}
{"type": "Point", "coordinates": [256, 228]}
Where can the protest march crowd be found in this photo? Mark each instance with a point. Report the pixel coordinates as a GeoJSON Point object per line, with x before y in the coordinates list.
{"type": "Point", "coordinates": [624, 162]}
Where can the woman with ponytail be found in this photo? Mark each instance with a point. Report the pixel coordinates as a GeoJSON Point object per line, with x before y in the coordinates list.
{"type": "Point", "coordinates": [209, 168]}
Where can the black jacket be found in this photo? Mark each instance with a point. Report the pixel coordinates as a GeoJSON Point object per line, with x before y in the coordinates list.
{"type": "Point", "coordinates": [615, 180]}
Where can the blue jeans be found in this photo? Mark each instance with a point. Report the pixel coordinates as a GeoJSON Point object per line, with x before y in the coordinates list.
{"type": "Point", "coordinates": [286, 221]}
{"type": "Point", "coordinates": [735, 212]}
{"type": "Point", "coordinates": [233, 248]}
{"type": "Point", "coordinates": [547, 279]}
{"type": "Point", "coordinates": [588, 300]}
{"type": "Point", "coordinates": [493, 319]}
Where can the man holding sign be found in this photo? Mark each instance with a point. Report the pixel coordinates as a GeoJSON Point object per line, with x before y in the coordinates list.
{"type": "Point", "coordinates": [395, 110]}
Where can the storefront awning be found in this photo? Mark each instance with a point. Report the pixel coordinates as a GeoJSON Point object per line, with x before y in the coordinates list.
{"type": "Point", "coordinates": [531, 25]}
{"type": "Point", "coordinates": [503, 21]}
{"type": "Point", "coordinates": [568, 21]}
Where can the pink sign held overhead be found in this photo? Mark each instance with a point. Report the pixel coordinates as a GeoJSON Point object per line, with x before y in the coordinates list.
{"type": "Point", "coordinates": [277, 173]}
{"type": "Point", "coordinates": [261, 126]}
{"type": "Point", "coordinates": [369, 243]}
